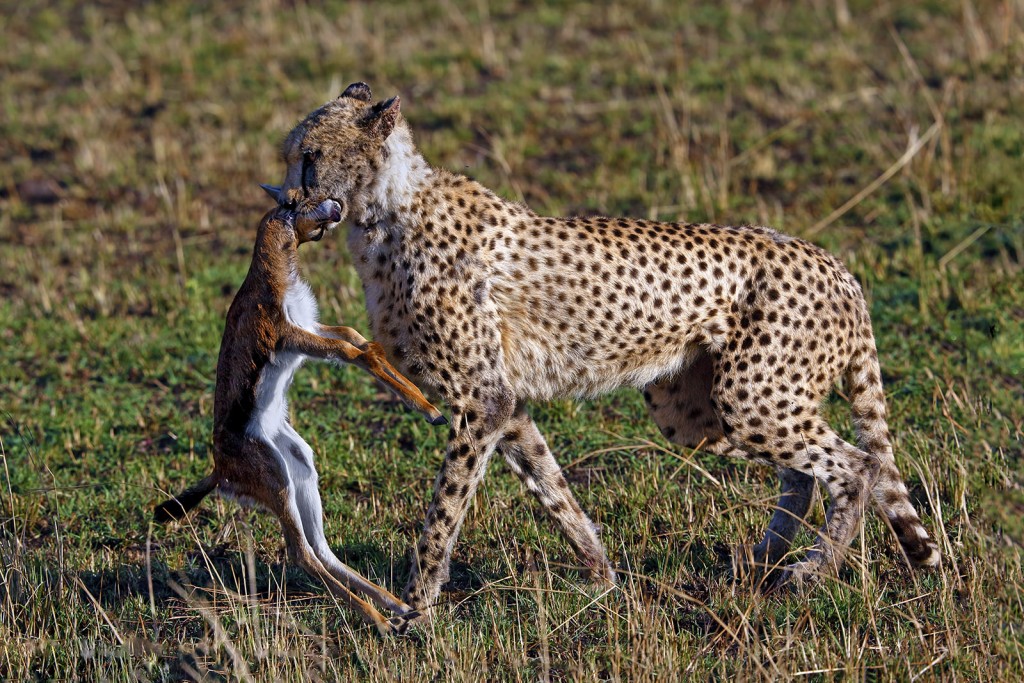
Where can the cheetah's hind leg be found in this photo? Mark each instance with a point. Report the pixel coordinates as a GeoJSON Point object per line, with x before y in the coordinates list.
{"type": "Point", "coordinates": [779, 422]}
{"type": "Point", "coordinates": [795, 498]}
{"type": "Point", "coordinates": [681, 406]}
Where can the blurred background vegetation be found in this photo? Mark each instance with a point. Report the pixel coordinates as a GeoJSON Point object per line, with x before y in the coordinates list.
{"type": "Point", "coordinates": [132, 137]}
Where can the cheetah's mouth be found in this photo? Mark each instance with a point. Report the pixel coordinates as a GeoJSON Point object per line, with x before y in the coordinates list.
{"type": "Point", "coordinates": [325, 216]}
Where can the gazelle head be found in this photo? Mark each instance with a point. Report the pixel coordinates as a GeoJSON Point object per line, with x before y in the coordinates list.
{"type": "Point", "coordinates": [308, 226]}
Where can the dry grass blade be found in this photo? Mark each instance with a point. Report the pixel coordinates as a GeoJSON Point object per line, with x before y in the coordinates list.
{"type": "Point", "coordinates": [962, 245]}
{"type": "Point", "coordinates": [99, 610]}
{"type": "Point", "coordinates": [221, 639]}
{"type": "Point", "coordinates": [908, 156]}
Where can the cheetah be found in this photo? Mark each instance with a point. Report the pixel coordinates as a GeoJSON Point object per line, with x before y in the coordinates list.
{"type": "Point", "coordinates": [733, 334]}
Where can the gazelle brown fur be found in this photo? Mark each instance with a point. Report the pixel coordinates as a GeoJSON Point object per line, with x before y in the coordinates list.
{"type": "Point", "coordinates": [272, 327]}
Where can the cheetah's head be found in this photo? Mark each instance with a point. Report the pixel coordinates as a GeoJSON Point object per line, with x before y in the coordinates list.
{"type": "Point", "coordinates": [336, 153]}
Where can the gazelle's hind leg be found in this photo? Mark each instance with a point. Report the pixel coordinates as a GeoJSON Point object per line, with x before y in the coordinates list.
{"type": "Point", "coordinates": [298, 457]}
{"type": "Point", "coordinates": [684, 412]}
{"type": "Point", "coordinates": [530, 458]}
{"type": "Point", "coordinates": [275, 491]}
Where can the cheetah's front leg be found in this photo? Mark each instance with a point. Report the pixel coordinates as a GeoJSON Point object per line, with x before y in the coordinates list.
{"type": "Point", "coordinates": [477, 426]}
{"type": "Point", "coordinates": [530, 458]}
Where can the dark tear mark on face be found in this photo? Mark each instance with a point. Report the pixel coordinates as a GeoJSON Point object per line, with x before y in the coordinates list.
{"type": "Point", "coordinates": [308, 170]}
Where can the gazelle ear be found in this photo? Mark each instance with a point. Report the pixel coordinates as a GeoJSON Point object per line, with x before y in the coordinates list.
{"type": "Point", "coordinates": [358, 91]}
{"type": "Point", "coordinates": [273, 190]}
{"type": "Point", "coordinates": [380, 120]}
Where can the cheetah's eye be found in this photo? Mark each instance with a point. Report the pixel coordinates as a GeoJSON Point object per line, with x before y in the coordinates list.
{"type": "Point", "coordinates": [309, 156]}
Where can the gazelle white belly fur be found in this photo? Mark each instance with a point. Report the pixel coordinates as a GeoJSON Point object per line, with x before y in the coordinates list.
{"type": "Point", "coordinates": [270, 415]}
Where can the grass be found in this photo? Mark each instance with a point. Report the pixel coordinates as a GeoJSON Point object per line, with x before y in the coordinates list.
{"type": "Point", "coordinates": [131, 142]}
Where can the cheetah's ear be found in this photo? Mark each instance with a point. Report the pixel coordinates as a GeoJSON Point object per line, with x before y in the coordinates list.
{"type": "Point", "coordinates": [380, 120]}
{"type": "Point", "coordinates": [357, 91]}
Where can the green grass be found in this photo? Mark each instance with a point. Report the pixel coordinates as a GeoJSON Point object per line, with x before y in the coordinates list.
{"type": "Point", "coordinates": [131, 143]}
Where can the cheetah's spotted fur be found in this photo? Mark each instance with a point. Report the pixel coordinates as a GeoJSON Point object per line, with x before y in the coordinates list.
{"type": "Point", "coordinates": [734, 334]}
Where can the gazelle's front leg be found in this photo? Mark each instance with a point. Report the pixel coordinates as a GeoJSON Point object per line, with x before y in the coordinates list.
{"type": "Point", "coordinates": [370, 358]}
{"type": "Point", "coordinates": [345, 334]}
{"type": "Point", "coordinates": [477, 426]}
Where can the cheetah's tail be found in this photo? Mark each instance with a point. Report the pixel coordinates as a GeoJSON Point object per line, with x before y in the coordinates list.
{"type": "Point", "coordinates": [867, 402]}
{"type": "Point", "coordinates": [178, 507]}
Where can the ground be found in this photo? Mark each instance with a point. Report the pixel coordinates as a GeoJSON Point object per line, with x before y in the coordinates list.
{"type": "Point", "coordinates": [133, 139]}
